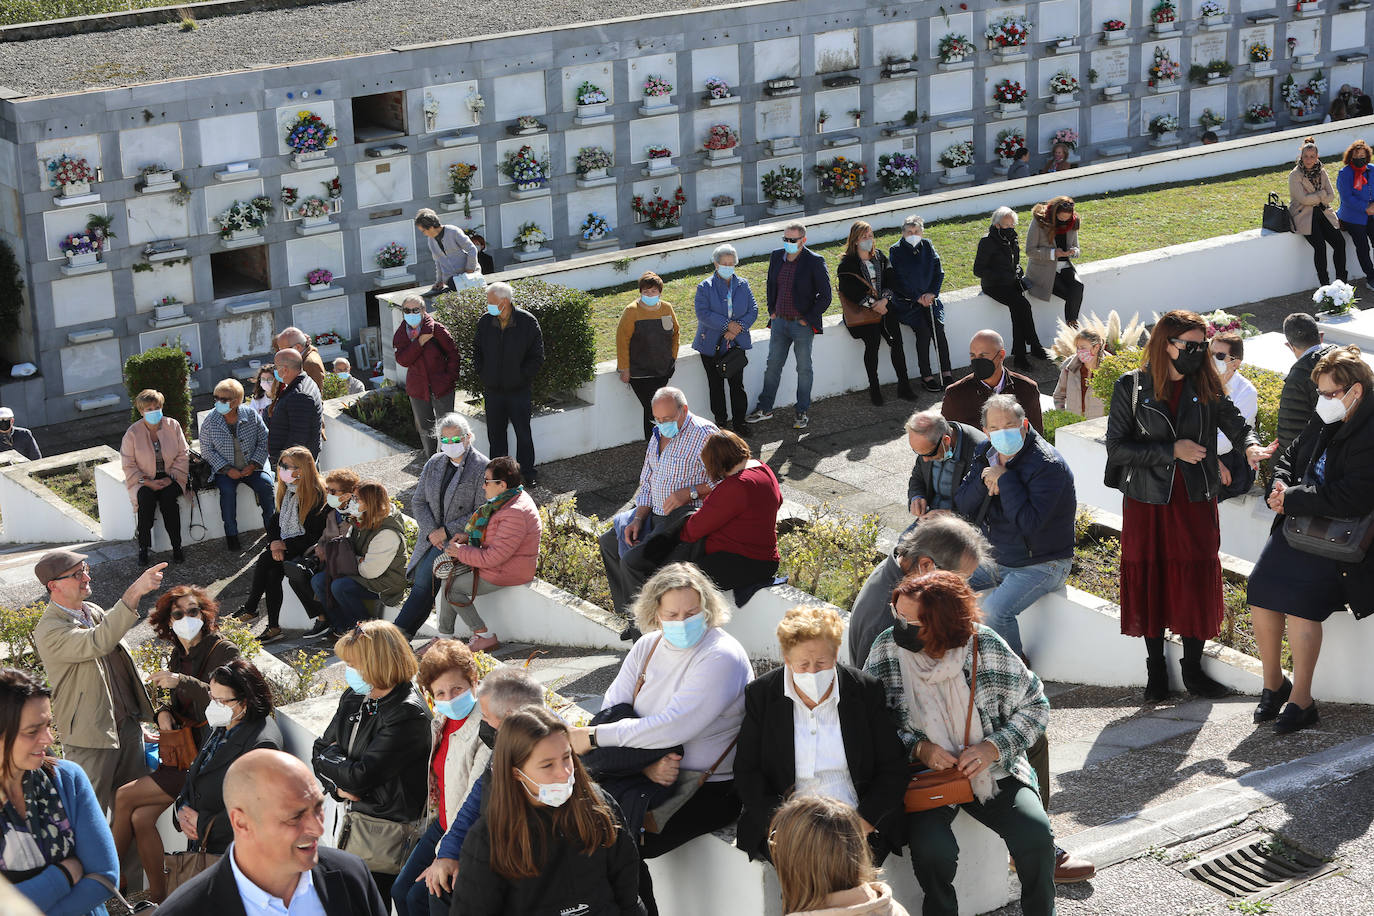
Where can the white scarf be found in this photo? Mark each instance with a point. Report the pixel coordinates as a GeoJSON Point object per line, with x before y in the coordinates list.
{"type": "Point", "coordinates": [937, 704]}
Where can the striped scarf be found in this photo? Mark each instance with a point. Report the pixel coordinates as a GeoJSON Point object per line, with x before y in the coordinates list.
{"type": "Point", "coordinates": [476, 527]}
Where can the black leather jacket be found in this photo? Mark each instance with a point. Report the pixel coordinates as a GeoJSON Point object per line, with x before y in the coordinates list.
{"type": "Point", "coordinates": [387, 766]}
{"type": "Point", "coordinates": [1140, 440]}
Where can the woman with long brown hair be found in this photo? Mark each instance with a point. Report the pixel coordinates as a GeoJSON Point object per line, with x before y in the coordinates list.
{"type": "Point", "coordinates": [1356, 189]}
{"type": "Point", "coordinates": [865, 279]}
{"type": "Point", "coordinates": [1310, 198]}
{"type": "Point", "coordinates": [378, 539]}
{"type": "Point", "coordinates": [825, 867]}
{"type": "Point", "coordinates": [1051, 243]}
{"type": "Point", "coordinates": [1162, 455]}
{"type": "Point", "coordinates": [550, 840]}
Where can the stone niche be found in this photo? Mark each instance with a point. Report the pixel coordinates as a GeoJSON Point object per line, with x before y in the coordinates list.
{"type": "Point", "coordinates": [714, 182]}
{"type": "Point", "coordinates": [1053, 121]}
{"type": "Point", "coordinates": [145, 146]}
{"type": "Point", "coordinates": [721, 61]}
{"type": "Point", "coordinates": [246, 335]}
{"type": "Point", "coordinates": [150, 286]}
{"type": "Point", "coordinates": [838, 103]}
{"type": "Point", "coordinates": [1253, 92]}
{"type": "Point", "coordinates": [384, 181]}
{"type": "Point", "coordinates": [941, 140]}
{"type": "Point", "coordinates": [778, 118]}
{"type": "Point", "coordinates": [230, 138]}
{"type": "Point", "coordinates": [957, 24]}
{"type": "Point", "coordinates": [85, 147]}
{"type": "Point", "coordinates": [379, 116]}
{"type": "Point", "coordinates": [372, 239]}
{"type": "Point", "coordinates": [184, 337]}
{"type": "Point", "coordinates": [895, 41]}
{"type": "Point", "coordinates": [1056, 19]}
{"type": "Point", "coordinates": [951, 92]}
{"type": "Point", "coordinates": [286, 116]}
{"type": "Point", "coordinates": [323, 315]}
{"type": "Point", "coordinates": [836, 51]}
{"type": "Point", "coordinates": [1052, 65]}
{"type": "Point", "coordinates": [218, 197]}
{"type": "Point", "coordinates": [518, 94]}
{"type": "Point", "coordinates": [1308, 34]}
{"type": "Point", "coordinates": [776, 58]}
{"type": "Point", "coordinates": [86, 367]}
{"type": "Point", "coordinates": [1347, 31]}
{"type": "Point", "coordinates": [994, 128]}
{"type": "Point", "coordinates": [994, 75]}
{"type": "Point", "coordinates": [305, 254]}
{"type": "Point", "coordinates": [1207, 47]}
{"type": "Point", "coordinates": [1147, 57]}
{"type": "Point", "coordinates": [1104, 10]}
{"type": "Point", "coordinates": [601, 201]}
{"type": "Point", "coordinates": [83, 299]}
{"type": "Point", "coordinates": [602, 135]}
{"type": "Point", "coordinates": [892, 99]}
{"type": "Point", "coordinates": [646, 131]}
{"type": "Point", "coordinates": [1113, 66]}
{"type": "Point", "coordinates": [58, 224]}
{"type": "Point", "coordinates": [538, 210]}
{"type": "Point", "coordinates": [641, 68]}
{"type": "Point", "coordinates": [156, 217]}
{"type": "Point", "coordinates": [437, 165]}
{"type": "Point", "coordinates": [598, 74]}
{"type": "Point", "coordinates": [240, 271]}
{"type": "Point", "coordinates": [1111, 121]}
{"type": "Point", "coordinates": [704, 120]}
{"type": "Point", "coordinates": [1152, 106]}
{"type": "Point", "coordinates": [1260, 34]}
{"type": "Point", "coordinates": [771, 165]}
{"type": "Point", "coordinates": [452, 101]}
{"type": "Point", "coordinates": [1202, 98]}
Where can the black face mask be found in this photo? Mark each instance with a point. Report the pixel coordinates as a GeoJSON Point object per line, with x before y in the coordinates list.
{"type": "Point", "coordinates": [487, 735]}
{"type": "Point", "coordinates": [907, 635]}
{"type": "Point", "coordinates": [982, 368]}
{"type": "Point", "coordinates": [1189, 363]}
{"type": "Point", "coordinates": [1360, 162]}
{"type": "Point", "coordinates": [1009, 233]}
{"type": "Point", "coordinates": [5, 425]}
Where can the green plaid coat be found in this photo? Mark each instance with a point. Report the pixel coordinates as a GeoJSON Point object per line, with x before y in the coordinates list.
{"type": "Point", "coordinates": [1010, 699]}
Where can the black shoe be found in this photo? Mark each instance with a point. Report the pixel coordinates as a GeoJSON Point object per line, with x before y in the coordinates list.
{"type": "Point", "coordinates": [741, 428]}
{"type": "Point", "coordinates": [630, 633]}
{"type": "Point", "coordinates": [232, 542]}
{"type": "Point", "coordinates": [932, 384]}
{"type": "Point", "coordinates": [143, 556]}
{"type": "Point", "coordinates": [1271, 701]}
{"type": "Point", "coordinates": [1294, 718]}
{"type": "Point", "coordinates": [178, 556]}
{"type": "Point", "coordinates": [1156, 680]}
{"type": "Point", "coordinates": [875, 395]}
{"type": "Point", "coordinates": [905, 392]}
{"type": "Point", "coordinates": [1196, 682]}
{"type": "Point", "coordinates": [321, 628]}
{"type": "Point", "coordinates": [1020, 362]}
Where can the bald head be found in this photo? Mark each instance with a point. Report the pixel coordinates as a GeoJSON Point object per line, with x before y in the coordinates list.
{"type": "Point", "coordinates": [986, 354]}
{"type": "Point", "coordinates": [986, 338]}
{"type": "Point", "coordinates": [276, 809]}
{"type": "Point", "coordinates": [292, 337]}
{"type": "Point", "coordinates": [256, 776]}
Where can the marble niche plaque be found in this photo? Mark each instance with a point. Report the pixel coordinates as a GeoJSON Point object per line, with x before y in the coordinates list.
{"type": "Point", "coordinates": [1113, 66]}
{"type": "Point", "coordinates": [246, 335]}
{"type": "Point", "coordinates": [1208, 46]}
{"type": "Point", "coordinates": [82, 299]}
{"type": "Point", "coordinates": [383, 182]}
{"type": "Point", "coordinates": [1110, 121]}
{"type": "Point", "coordinates": [154, 217]}
{"type": "Point", "coordinates": [86, 367]}
{"type": "Point", "coordinates": [778, 118]}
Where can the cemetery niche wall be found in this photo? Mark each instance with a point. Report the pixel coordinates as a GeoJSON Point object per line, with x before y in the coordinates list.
{"type": "Point", "coordinates": [227, 199]}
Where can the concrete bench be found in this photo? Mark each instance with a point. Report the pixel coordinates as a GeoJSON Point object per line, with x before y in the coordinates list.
{"type": "Point", "coordinates": [118, 518]}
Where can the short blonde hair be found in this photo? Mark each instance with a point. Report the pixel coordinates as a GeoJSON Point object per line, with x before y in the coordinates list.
{"type": "Point", "coordinates": [231, 388]}
{"type": "Point", "coordinates": [149, 397]}
{"type": "Point", "coordinates": [803, 624]}
{"type": "Point", "coordinates": [679, 575]}
{"type": "Point", "coordinates": [380, 652]}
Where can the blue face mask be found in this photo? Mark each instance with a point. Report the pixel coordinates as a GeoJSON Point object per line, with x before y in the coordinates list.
{"type": "Point", "coordinates": [683, 634]}
{"type": "Point", "coordinates": [725, 272]}
{"type": "Point", "coordinates": [153, 417]}
{"type": "Point", "coordinates": [222, 408]}
{"type": "Point", "coordinates": [650, 301]}
{"type": "Point", "coordinates": [1007, 441]}
{"type": "Point", "coordinates": [413, 320]}
{"type": "Point", "coordinates": [668, 430]}
{"type": "Point", "coordinates": [865, 244]}
{"type": "Point", "coordinates": [457, 708]}
{"type": "Point", "coordinates": [276, 374]}
{"type": "Point", "coordinates": [343, 376]}
{"type": "Point", "coordinates": [355, 681]}
{"type": "Point", "coordinates": [493, 310]}
{"type": "Point", "coordinates": [791, 247]}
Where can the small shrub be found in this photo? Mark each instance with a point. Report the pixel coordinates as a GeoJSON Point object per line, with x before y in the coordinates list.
{"type": "Point", "coordinates": [411, 527]}
{"type": "Point", "coordinates": [16, 636]}
{"type": "Point", "coordinates": [11, 291]}
{"type": "Point", "coordinates": [163, 369]}
{"type": "Point", "coordinates": [241, 635]}
{"type": "Point", "coordinates": [569, 557]}
{"type": "Point", "coordinates": [1053, 419]}
{"type": "Point", "coordinates": [1097, 568]}
{"type": "Point", "coordinates": [388, 412]}
{"type": "Point", "coordinates": [828, 555]}
{"type": "Point", "coordinates": [565, 318]}
{"type": "Point", "coordinates": [334, 387]}
{"type": "Point", "coordinates": [303, 682]}
{"type": "Point", "coordinates": [1084, 520]}
{"type": "Point", "coordinates": [1111, 368]}
{"type": "Point", "coordinates": [1269, 386]}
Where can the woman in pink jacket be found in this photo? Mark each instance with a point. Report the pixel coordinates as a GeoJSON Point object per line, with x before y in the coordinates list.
{"type": "Point", "coordinates": [155, 459]}
{"type": "Point", "coordinates": [499, 545]}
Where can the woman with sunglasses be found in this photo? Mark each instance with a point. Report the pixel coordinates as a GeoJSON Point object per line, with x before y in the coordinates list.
{"type": "Point", "coordinates": [1162, 455]}
{"type": "Point", "coordinates": [188, 618]}
{"type": "Point", "coordinates": [296, 526]}
{"type": "Point", "coordinates": [1051, 243]}
{"type": "Point", "coordinates": [235, 444]}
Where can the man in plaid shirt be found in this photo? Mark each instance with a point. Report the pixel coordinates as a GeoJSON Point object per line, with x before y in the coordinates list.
{"type": "Point", "coordinates": [673, 478]}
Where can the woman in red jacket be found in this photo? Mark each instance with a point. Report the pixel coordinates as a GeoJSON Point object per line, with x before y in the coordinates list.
{"type": "Point", "coordinates": [499, 546]}
{"type": "Point", "coordinates": [423, 346]}
{"type": "Point", "coordinates": [739, 518]}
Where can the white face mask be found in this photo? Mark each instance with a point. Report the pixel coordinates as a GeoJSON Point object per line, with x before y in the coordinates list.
{"type": "Point", "coordinates": [553, 795]}
{"type": "Point", "coordinates": [1331, 410]}
{"type": "Point", "coordinates": [814, 683]}
{"type": "Point", "coordinates": [218, 715]}
{"type": "Point", "coordinates": [454, 450]}
{"type": "Point", "coordinates": [187, 627]}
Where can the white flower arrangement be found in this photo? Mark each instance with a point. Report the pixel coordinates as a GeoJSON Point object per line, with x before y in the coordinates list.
{"type": "Point", "coordinates": [1335, 298]}
{"type": "Point", "coordinates": [1063, 83]}
{"type": "Point", "coordinates": [957, 155]}
{"type": "Point", "coordinates": [531, 234]}
{"type": "Point", "coordinates": [1211, 9]}
{"type": "Point", "coordinates": [476, 104]}
{"type": "Point", "coordinates": [1163, 124]}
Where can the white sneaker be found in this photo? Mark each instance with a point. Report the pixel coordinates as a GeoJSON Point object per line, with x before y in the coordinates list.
{"type": "Point", "coordinates": [759, 416]}
{"type": "Point", "coordinates": [801, 422]}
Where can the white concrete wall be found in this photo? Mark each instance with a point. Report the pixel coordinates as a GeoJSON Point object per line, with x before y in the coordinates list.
{"type": "Point", "coordinates": [118, 517]}
{"type": "Point", "coordinates": [350, 442]}
{"type": "Point", "coordinates": [33, 514]}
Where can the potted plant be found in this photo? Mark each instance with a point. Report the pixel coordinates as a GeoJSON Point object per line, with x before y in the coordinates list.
{"type": "Point", "coordinates": [1164, 71]}
{"type": "Point", "coordinates": [1009, 95]}
{"type": "Point", "coordinates": [595, 227]}
{"type": "Point", "coordinates": [392, 260]}
{"type": "Point", "coordinates": [659, 212]}
{"type": "Point", "coordinates": [783, 188]}
{"type": "Point", "coordinates": [1063, 85]}
{"type": "Point", "coordinates": [722, 207]}
{"type": "Point", "coordinates": [82, 249]}
{"type": "Point", "coordinates": [899, 172]}
{"type": "Point", "coordinates": [591, 99]}
{"type": "Point", "coordinates": [1009, 143]}
{"type": "Point", "coordinates": [954, 48]}
{"type": "Point", "coordinates": [156, 175]}
{"type": "Point", "coordinates": [1164, 17]}
{"type": "Point", "coordinates": [592, 163]}
{"type": "Point", "coordinates": [70, 174]}
{"type": "Point", "coordinates": [313, 211]}
{"type": "Point", "coordinates": [957, 158]}
{"type": "Point", "coordinates": [526, 170]}
{"type": "Point", "coordinates": [1113, 31]}
{"type": "Point", "coordinates": [1008, 35]}
{"type": "Point", "coordinates": [718, 92]}
{"type": "Point", "coordinates": [1067, 136]}
{"type": "Point", "coordinates": [460, 176]}
{"type": "Point", "coordinates": [721, 140]}
{"type": "Point", "coordinates": [1335, 298]}
{"type": "Point", "coordinates": [319, 279]}
{"type": "Point", "coordinates": [660, 157]}
{"type": "Point", "coordinates": [1209, 119]}
{"type": "Point", "coordinates": [530, 237]}
{"type": "Point", "coordinates": [841, 180]}
{"type": "Point", "coordinates": [1163, 128]}
{"type": "Point", "coordinates": [658, 92]}
{"type": "Point", "coordinates": [244, 219]}
{"type": "Point", "coordinates": [169, 307]}
{"type": "Point", "coordinates": [1212, 14]}
{"type": "Point", "coordinates": [310, 137]}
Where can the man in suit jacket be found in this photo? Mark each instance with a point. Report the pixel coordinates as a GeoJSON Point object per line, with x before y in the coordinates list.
{"type": "Point", "coordinates": [944, 451]}
{"type": "Point", "coordinates": [277, 811]}
{"type": "Point", "coordinates": [798, 295]}
{"type": "Point", "coordinates": [965, 398]}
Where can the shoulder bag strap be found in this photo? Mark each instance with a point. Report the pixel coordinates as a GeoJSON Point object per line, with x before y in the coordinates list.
{"type": "Point", "coordinates": [472, 599]}
{"type": "Point", "coordinates": [972, 690]}
{"type": "Point", "coordinates": [719, 760]}
{"type": "Point", "coordinates": [866, 282]}
{"type": "Point", "coordinates": [110, 886]}
{"type": "Point", "coordinates": [639, 684]}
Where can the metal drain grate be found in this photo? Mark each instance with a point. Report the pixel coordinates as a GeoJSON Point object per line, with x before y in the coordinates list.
{"type": "Point", "coordinates": [1254, 866]}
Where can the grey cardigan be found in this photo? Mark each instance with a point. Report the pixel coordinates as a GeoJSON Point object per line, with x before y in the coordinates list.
{"type": "Point", "coordinates": [457, 255]}
{"type": "Point", "coordinates": [450, 510]}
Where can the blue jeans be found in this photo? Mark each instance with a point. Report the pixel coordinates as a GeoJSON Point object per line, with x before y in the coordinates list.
{"type": "Point", "coordinates": [1017, 588]}
{"type": "Point", "coordinates": [260, 482]}
{"type": "Point", "coordinates": [349, 595]}
{"type": "Point", "coordinates": [782, 336]}
{"type": "Point", "coordinates": [412, 897]}
{"type": "Point", "coordinates": [420, 601]}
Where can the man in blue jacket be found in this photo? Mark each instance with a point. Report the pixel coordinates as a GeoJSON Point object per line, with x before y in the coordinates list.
{"type": "Point", "coordinates": [1019, 491]}
{"type": "Point", "coordinates": [798, 295]}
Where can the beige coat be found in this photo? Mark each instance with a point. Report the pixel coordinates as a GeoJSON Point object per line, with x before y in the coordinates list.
{"type": "Point", "coordinates": [879, 903]}
{"type": "Point", "coordinates": [466, 760]}
{"type": "Point", "coordinates": [1041, 265]}
{"type": "Point", "coordinates": [74, 657]}
{"type": "Point", "coordinates": [1304, 197]}
{"type": "Point", "coordinates": [1068, 393]}
{"type": "Point", "coordinates": [136, 454]}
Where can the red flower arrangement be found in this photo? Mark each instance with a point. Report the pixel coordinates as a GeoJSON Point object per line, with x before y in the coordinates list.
{"type": "Point", "coordinates": [659, 212]}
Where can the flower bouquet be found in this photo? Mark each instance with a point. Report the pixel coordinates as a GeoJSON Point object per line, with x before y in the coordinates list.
{"type": "Point", "coordinates": [1221, 320]}
{"type": "Point", "coordinates": [319, 279]}
{"type": "Point", "coordinates": [1303, 99]}
{"type": "Point", "coordinates": [898, 172]}
{"type": "Point", "coordinates": [244, 219]}
{"type": "Point", "coordinates": [1009, 143]}
{"type": "Point", "coordinates": [720, 140]}
{"type": "Point", "coordinates": [526, 169]}
{"type": "Point", "coordinates": [954, 48]}
{"type": "Point", "coordinates": [289, 197]}
{"type": "Point", "coordinates": [1008, 32]}
{"type": "Point", "coordinates": [660, 157]}
{"type": "Point", "coordinates": [1165, 69]}
{"type": "Point", "coordinates": [476, 105]}
{"type": "Point", "coordinates": [1009, 94]}
{"type": "Point", "coordinates": [528, 124]}
{"type": "Point", "coordinates": [842, 177]}
{"type": "Point", "coordinates": [1211, 9]}
{"type": "Point", "coordinates": [657, 87]}
{"type": "Point", "coordinates": [1114, 25]}
{"type": "Point", "coordinates": [1259, 113]}
{"type": "Point", "coordinates": [591, 94]}
{"type": "Point", "coordinates": [1067, 136]}
{"type": "Point", "coordinates": [72, 174]}
{"type": "Point", "coordinates": [1335, 298]}
{"type": "Point", "coordinates": [1162, 124]}
{"type": "Point", "coordinates": [722, 206]}
{"type": "Point", "coordinates": [334, 188]}
{"type": "Point", "coordinates": [460, 176]}
{"type": "Point", "coordinates": [783, 185]}
{"type": "Point", "coordinates": [1063, 83]}
{"type": "Point", "coordinates": [717, 88]}
{"type": "Point", "coordinates": [313, 211]}
{"type": "Point", "coordinates": [1260, 53]}
{"type": "Point", "coordinates": [595, 226]}
{"type": "Point", "coordinates": [957, 156]}
{"type": "Point", "coordinates": [82, 249]}
{"type": "Point", "coordinates": [592, 162]}
{"type": "Point", "coordinates": [1209, 119]}
{"type": "Point", "coordinates": [309, 136]}
{"type": "Point", "coordinates": [1164, 13]}
{"type": "Point", "coordinates": [530, 237]}
{"type": "Point", "coordinates": [329, 338]}
{"type": "Point", "coordinates": [392, 256]}
{"type": "Point", "coordinates": [659, 212]}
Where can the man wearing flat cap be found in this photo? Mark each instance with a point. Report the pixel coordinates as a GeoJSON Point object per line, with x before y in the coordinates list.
{"type": "Point", "coordinates": [98, 700]}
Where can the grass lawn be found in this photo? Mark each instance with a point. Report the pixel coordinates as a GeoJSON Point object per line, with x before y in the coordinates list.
{"type": "Point", "coordinates": [1114, 224]}
{"type": "Point", "coordinates": [13, 12]}
{"type": "Point", "coordinates": [75, 485]}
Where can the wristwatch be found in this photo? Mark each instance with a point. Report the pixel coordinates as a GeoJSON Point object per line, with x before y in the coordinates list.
{"type": "Point", "coordinates": [695, 494]}
{"type": "Point", "coordinates": [591, 736]}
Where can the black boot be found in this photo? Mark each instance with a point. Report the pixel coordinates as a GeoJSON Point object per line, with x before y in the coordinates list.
{"type": "Point", "coordinates": [1156, 680]}
{"type": "Point", "coordinates": [231, 541]}
{"type": "Point", "coordinates": [904, 390]}
{"type": "Point", "coordinates": [1195, 681]}
{"type": "Point", "coordinates": [875, 394]}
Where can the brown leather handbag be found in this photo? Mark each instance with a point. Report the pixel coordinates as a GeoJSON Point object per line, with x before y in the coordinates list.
{"type": "Point", "coordinates": [929, 789]}
{"type": "Point", "coordinates": [180, 867]}
{"type": "Point", "coordinates": [856, 315]}
{"type": "Point", "coordinates": [176, 747]}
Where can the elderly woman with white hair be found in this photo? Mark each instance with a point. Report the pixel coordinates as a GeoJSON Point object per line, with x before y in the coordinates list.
{"type": "Point", "coordinates": [235, 443]}
{"type": "Point", "coordinates": [448, 492]}
{"type": "Point", "coordinates": [726, 310]}
{"type": "Point", "coordinates": [998, 266]}
{"type": "Point", "coordinates": [686, 687]}
{"type": "Point", "coordinates": [917, 279]}
{"type": "Point", "coordinates": [508, 352]}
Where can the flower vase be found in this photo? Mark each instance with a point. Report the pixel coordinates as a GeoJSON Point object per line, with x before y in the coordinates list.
{"type": "Point", "coordinates": [318, 287]}
{"type": "Point", "coordinates": [1115, 37]}
{"type": "Point", "coordinates": [1166, 28]}
{"type": "Point", "coordinates": [76, 188]}
{"type": "Point", "coordinates": [956, 171]}
{"type": "Point", "coordinates": [238, 235]}
{"type": "Point", "coordinates": [394, 273]}
{"type": "Point", "coordinates": [157, 179]}
{"type": "Point", "coordinates": [314, 222]}
{"type": "Point", "coordinates": [1062, 99]}
{"type": "Point", "coordinates": [595, 110]}
{"type": "Point", "coordinates": [593, 174]}
{"type": "Point", "coordinates": [726, 153]}
{"type": "Point", "coordinates": [430, 120]}
{"type": "Point", "coordinates": [83, 259]}
{"type": "Point", "coordinates": [657, 101]}
{"type": "Point", "coordinates": [301, 157]}
{"type": "Point", "coordinates": [1010, 107]}
{"type": "Point", "coordinates": [724, 212]}
{"type": "Point", "coordinates": [532, 246]}
{"type": "Point", "coordinates": [659, 163]}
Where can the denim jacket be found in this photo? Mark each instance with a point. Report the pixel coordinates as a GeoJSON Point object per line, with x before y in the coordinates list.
{"type": "Point", "coordinates": [715, 310]}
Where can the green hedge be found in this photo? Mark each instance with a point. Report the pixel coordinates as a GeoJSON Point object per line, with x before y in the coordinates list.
{"type": "Point", "coordinates": [1053, 419]}
{"type": "Point", "coordinates": [11, 290]}
{"type": "Point", "coordinates": [163, 369]}
{"type": "Point", "coordinates": [1112, 367]}
{"type": "Point", "coordinates": [565, 318]}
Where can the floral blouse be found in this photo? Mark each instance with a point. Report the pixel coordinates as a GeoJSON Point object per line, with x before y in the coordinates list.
{"type": "Point", "coordinates": [42, 836]}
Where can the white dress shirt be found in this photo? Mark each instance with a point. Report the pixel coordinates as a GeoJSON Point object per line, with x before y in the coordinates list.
{"type": "Point", "coordinates": [257, 902]}
{"type": "Point", "coordinates": [1243, 394]}
{"type": "Point", "coordinates": [821, 767]}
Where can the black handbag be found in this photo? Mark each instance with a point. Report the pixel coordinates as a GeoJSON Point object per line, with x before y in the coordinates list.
{"type": "Point", "coordinates": [1345, 540]}
{"type": "Point", "coordinates": [199, 474]}
{"type": "Point", "coordinates": [1276, 217]}
{"type": "Point", "coordinates": [731, 361]}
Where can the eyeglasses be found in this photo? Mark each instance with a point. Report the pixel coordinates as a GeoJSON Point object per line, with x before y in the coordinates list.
{"type": "Point", "coordinates": [83, 572]}
{"type": "Point", "coordinates": [933, 452]}
{"type": "Point", "coordinates": [192, 611]}
{"type": "Point", "coordinates": [285, 467]}
{"type": "Point", "coordinates": [1333, 395]}
{"type": "Point", "coordinates": [896, 615]}
{"type": "Point", "coordinates": [796, 240]}
{"type": "Point", "coordinates": [450, 440]}
{"type": "Point", "coordinates": [1188, 346]}
{"type": "Point", "coordinates": [1223, 357]}
{"type": "Point", "coordinates": [491, 480]}
{"type": "Point", "coordinates": [358, 633]}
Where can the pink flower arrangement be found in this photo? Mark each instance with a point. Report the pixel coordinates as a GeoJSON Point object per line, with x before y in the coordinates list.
{"type": "Point", "coordinates": [721, 136]}
{"type": "Point", "coordinates": [1067, 136]}
{"type": "Point", "coordinates": [70, 170]}
{"type": "Point", "coordinates": [319, 277]}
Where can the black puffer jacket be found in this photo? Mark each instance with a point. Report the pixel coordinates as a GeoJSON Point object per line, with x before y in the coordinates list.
{"type": "Point", "coordinates": [388, 766]}
{"type": "Point", "coordinates": [997, 262]}
{"type": "Point", "coordinates": [1348, 490]}
{"type": "Point", "coordinates": [1140, 440]}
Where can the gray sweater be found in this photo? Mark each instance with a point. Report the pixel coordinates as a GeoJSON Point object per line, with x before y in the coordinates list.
{"type": "Point", "coordinates": [453, 254]}
{"type": "Point", "coordinates": [452, 509]}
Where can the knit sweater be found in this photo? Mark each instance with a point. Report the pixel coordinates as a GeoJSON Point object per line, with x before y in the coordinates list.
{"type": "Point", "coordinates": [50, 889]}
{"type": "Point", "coordinates": [692, 697]}
{"type": "Point", "coordinates": [646, 340]}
